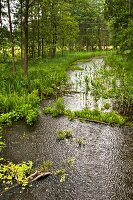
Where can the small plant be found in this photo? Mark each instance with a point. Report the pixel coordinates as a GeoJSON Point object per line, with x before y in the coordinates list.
{"type": "Point", "coordinates": [2, 144]}
{"type": "Point", "coordinates": [61, 173]}
{"type": "Point", "coordinates": [61, 135]}
{"type": "Point", "coordinates": [70, 161]}
{"type": "Point", "coordinates": [80, 141]}
{"type": "Point", "coordinates": [45, 166]}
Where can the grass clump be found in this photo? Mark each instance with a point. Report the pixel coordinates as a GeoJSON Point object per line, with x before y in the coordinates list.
{"type": "Point", "coordinates": [98, 116]}
{"type": "Point", "coordinates": [61, 173]}
{"type": "Point", "coordinates": [45, 166]}
{"type": "Point", "coordinates": [65, 134]}
{"type": "Point", "coordinates": [57, 108]}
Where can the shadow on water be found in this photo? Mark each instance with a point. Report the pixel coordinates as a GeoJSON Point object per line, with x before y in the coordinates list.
{"type": "Point", "coordinates": [103, 168]}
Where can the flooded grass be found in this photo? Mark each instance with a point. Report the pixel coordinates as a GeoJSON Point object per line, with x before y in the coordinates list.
{"type": "Point", "coordinates": [65, 134]}
{"type": "Point", "coordinates": [92, 115]}
{"type": "Point", "coordinates": [102, 87]}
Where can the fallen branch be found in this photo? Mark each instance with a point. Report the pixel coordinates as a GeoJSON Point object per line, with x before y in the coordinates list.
{"type": "Point", "coordinates": [33, 177]}
{"type": "Point", "coordinates": [37, 175]}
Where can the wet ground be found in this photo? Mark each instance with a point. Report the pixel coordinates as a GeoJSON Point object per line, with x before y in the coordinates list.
{"type": "Point", "coordinates": [103, 168]}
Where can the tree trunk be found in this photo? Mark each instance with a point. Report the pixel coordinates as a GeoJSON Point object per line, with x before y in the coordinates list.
{"type": "Point", "coordinates": [26, 37]}
{"type": "Point", "coordinates": [99, 39]}
{"type": "Point", "coordinates": [21, 34]}
{"type": "Point", "coordinates": [0, 13]}
{"type": "Point", "coordinates": [33, 40]}
{"type": "Point", "coordinates": [54, 41]}
{"type": "Point", "coordinates": [11, 37]}
{"type": "Point", "coordinates": [63, 42]}
{"type": "Point", "coordinates": [38, 34]}
{"type": "Point", "coordinates": [42, 48]}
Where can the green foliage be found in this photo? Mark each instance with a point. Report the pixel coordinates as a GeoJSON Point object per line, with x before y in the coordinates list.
{"type": "Point", "coordinates": [61, 173]}
{"type": "Point", "coordinates": [11, 173]}
{"type": "Point", "coordinates": [122, 70]}
{"type": "Point", "coordinates": [61, 135]}
{"type": "Point", "coordinates": [119, 14]}
{"type": "Point", "coordinates": [28, 109]}
{"type": "Point", "coordinates": [2, 144]}
{"type": "Point", "coordinates": [96, 115]}
{"type": "Point", "coordinates": [70, 161]}
{"type": "Point", "coordinates": [106, 106]}
{"type": "Point", "coordinates": [45, 166]}
{"type": "Point", "coordinates": [57, 108]}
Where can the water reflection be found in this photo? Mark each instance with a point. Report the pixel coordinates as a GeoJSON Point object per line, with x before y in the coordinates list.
{"type": "Point", "coordinates": [81, 93]}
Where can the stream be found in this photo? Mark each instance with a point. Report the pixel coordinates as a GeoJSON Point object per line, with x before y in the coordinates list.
{"type": "Point", "coordinates": [103, 167]}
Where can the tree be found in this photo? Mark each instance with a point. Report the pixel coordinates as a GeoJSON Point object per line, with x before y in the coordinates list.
{"type": "Point", "coordinates": [11, 36]}
{"type": "Point", "coordinates": [26, 37]}
{"type": "Point", "coordinates": [120, 15]}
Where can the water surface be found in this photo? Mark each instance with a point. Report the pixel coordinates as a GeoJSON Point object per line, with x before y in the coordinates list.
{"type": "Point", "coordinates": [103, 168]}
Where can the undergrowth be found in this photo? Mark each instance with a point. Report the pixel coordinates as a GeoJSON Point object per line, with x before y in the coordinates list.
{"type": "Point", "coordinates": [20, 95]}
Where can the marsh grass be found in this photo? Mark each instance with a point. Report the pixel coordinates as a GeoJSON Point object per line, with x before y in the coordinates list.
{"type": "Point", "coordinates": [95, 115]}
{"type": "Point", "coordinates": [122, 91]}
{"type": "Point", "coordinates": [48, 77]}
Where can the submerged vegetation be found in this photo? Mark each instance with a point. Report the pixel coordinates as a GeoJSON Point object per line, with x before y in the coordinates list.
{"type": "Point", "coordinates": [65, 134]}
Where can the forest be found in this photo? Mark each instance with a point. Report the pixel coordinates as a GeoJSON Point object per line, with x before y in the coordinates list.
{"type": "Point", "coordinates": [44, 46]}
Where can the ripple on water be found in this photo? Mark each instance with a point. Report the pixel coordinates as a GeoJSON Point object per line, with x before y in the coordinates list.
{"type": "Point", "coordinates": [103, 169]}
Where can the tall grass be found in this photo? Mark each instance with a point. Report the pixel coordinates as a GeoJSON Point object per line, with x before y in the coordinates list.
{"type": "Point", "coordinates": [46, 78]}
{"type": "Point", "coordinates": [122, 69]}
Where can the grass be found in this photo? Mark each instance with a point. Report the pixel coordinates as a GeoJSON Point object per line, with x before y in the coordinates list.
{"type": "Point", "coordinates": [65, 134]}
{"type": "Point", "coordinates": [20, 96]}
{"type": "Point", "coordinates": [122, 70]}
{"type": "Point", "coordinates": [46, 78]}
{"type": "Point", "coordinates": [95, 115]}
